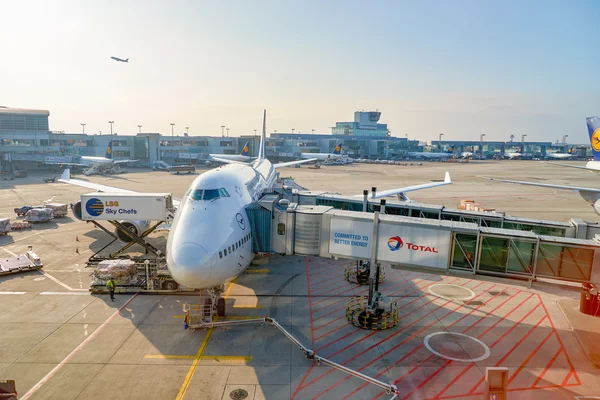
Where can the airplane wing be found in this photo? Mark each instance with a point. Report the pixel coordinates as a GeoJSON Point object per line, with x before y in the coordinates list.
{"type": "Point", "coordinates": [66, 178]}
{"type": "Point", "coordinates": [123, 161]}
{"type": "Point", "coordinates": [549, 185]}
{"type": "Point", "coordinates": [287, 164]}
{"type": "Point", "coordinates": [66, 163]}
{"type": "Point", "coordinates": [571, 166]}
{"type": "Point", "coordinates": [226, 161]}
{"type": "Point", "coordinates": [400, 191]}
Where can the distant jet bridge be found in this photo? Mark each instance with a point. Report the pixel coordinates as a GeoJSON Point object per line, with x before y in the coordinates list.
{"type": "Point", "coordinates": [436, 245]}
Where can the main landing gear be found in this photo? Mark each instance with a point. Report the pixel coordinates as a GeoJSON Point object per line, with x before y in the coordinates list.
{"type": "Point", "coordinates": [215, 304]}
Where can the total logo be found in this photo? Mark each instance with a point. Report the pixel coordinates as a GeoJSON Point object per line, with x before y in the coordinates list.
{"type": "Point", "coordinates": [395, 243]}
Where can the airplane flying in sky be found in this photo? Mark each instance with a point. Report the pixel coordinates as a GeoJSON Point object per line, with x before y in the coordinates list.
{"type": "Point", "coordinates": [336, 154]}
{"type": "Point", "coordinates": [120, 59]}
{"type": "Point", "coordinates": [591, 195]}
{"type": "Point", "coordinates": [243, 156]}
{"type": "Point", "coordinates": [89, 161]}
{"type": "Point", "coordinates": [209, 242]}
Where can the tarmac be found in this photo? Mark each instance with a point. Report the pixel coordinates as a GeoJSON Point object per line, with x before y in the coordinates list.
{"type": "Point", "coordinates": [58, 341]}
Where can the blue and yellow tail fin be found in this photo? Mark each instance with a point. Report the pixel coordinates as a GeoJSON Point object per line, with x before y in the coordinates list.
{"type": "Point", "coordinates": [593, 124]}
{"type": "Point", "coordinates": [246, 150]}
{"type": "Point", "coordinates": [338, 149]}
{"type": "Point", "coordinates": [109, 151]}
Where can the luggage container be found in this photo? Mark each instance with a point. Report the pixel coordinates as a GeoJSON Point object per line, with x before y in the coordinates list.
{"type": "Point", "coordinates": [38, 215]}
{"type": "Point", "coordinates": [58, 210]}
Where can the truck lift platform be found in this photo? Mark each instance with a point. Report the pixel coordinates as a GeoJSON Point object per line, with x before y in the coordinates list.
{"type": "Point", "coordinates": [151, 272]}
{"type": "Point", "coordinates": [21, 263]}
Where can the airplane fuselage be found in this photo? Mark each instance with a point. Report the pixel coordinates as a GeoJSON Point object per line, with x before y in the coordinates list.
{"type": "Point", "coordinates": [210, 241]}
{"type": "Point", "coordinates": [93, 161]}
{"type": "Point", "coordinates": [559, 156]}
{"type": "Point", "coordinates": [233, 157]}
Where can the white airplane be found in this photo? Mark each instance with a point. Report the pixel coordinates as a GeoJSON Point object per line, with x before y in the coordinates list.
{"type": "Point", "coordinates": [243, 156]}
{"type": "Point", "coordinates": [591, 195]}
{"type": "Point", "coordinates": [89, 161]}
{"type": "Point", "coordinates": [429, 155]}
{"type": "Point", "coordinates": [120, 59]}
{"type": "Point", "coordinates": [559, 156]}
{"type": "Point", "coordinates": [593, 125]}
{"type": "Point", "coordinates": [209, 242]}
{"type": "Point", "coordinates": [336, 154]}
{"type": "Point", "coordinates": [512, 155]}
{"type": "Point", "coordinates": [466, 154]}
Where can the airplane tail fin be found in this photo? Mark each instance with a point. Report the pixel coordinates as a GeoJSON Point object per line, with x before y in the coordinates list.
{"type": "Point", "coordinates": [109, 151]}
{"type": "Point", "coordinates": [246, 150]}
{"type": "Point", "coordinates": [263, 139]}
{"type": "Point", "coordinates": [338, 149]}
{"type": "Point", "coordinates": [127, 60]}
{"type": "Point", "coordinates": [593, 124]}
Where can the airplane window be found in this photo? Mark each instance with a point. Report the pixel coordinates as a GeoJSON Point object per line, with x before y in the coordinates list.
{"type": "Point", "coordinates": [210, 194]}
{"type": "Point", "coordinates": [197, 194]}
{"type": "Point", "coordinates": [223, 192]}
{"type": "Point", "coordinates": [225, 251]}
{"type": "Point", "coordinates": [220, 254]}
{"type": "Point", "coordinates": [229, 249]}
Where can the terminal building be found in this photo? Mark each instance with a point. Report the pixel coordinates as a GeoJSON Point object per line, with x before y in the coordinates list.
{"type": "Point", "coordinates": [27, 141]}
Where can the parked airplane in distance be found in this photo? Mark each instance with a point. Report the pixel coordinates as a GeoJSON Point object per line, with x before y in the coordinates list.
{"type": "Point", "coordinates": [591, 195]}
{"type": "Point", "coordinates": [428, 156]}
{"type": "Point", "coordinates": [559, 156]}
{"type": "Point", "coordinates": [120, 59]}
{"type": "Point", "coordinates": [336, 154]}
{"type": "Point", "coordinates": [209, 242]}
{"type": "Point", "coordinates": [243, 156]}
{"type": "Point", "coordinates": [89, 161]}
{"type": "Point", "coordinates": [466, 154]}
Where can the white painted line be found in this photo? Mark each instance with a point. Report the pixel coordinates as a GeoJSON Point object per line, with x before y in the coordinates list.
{"type": "Point", "coordinates": [67, 293]}
{"type": "Point", "coordinates": [8, 251]}
{"type": "Point", "coordinates": [12, 292]}
{"type": "Point", "coordinates": [486, 349]}
{"type": "Point", "coordinates": [67, 358]}
{"type": "Point", "coordinates": [469, 297]}
{"type": "Point", "coordinates": [61, 283]}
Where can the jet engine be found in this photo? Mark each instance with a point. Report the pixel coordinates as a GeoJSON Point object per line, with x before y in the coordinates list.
{"type": "Point", "coordinates": [596, 206]}
{"type": "Point", "coordinates": [136, 227]}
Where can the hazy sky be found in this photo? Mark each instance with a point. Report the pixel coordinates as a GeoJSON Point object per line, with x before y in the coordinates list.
{"type": "Point", "coordinates": [457, 67]}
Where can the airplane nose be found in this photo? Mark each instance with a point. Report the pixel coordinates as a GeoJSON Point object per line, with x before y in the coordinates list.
{"type": "Point", "coordinates": [190, 265]}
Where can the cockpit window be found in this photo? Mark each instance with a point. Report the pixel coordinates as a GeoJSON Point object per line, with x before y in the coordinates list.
{"type": "Point", "coordinates": [209, 194]}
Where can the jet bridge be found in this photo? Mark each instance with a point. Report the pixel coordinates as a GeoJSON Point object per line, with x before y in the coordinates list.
{"type": "Point", "coordinates": [441, 245]}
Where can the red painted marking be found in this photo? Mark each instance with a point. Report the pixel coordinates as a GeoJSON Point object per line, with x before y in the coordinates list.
{"type": "Point", "coordinates": [492, 346]}
{"type": "Point", "coordinates": [452, 311]}
{"type": "Point", "coordinates": [539, 378]}
{"type": "Point", "coordinates": [495, 308]}
{"type": "Point", "coordinates": [539, 346]}
{"type": "Point", "coordinates": [312, 332]}
{"type": "Point", "coordinates": [373, 346]}
{"type": "Point", "coordinates": [560, 341]}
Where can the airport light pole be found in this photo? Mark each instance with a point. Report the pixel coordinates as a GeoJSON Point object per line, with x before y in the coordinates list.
{"type": "Point", "coordinates": [293, 130]}
{"type": "Point", "coordinates": [440, 142]}
{"type": "Point", "coordinates": [187, 130]}
{"type": "Point", "coordinates": [222, 132]}
{"type": "Point", "coordinates": [111, 122]}
{"type": "Point", "coordinates": [565, 139]}
{"type": "Point", "coordinates": [523, 138]}
{"type": "Point", "coordinates": [313, 131]}
{"type": "Point", "coordinates": [140, 128]}
{"type": "Point", "coordinates": [481, 143]}
{"type": "Point", "coordinates": [227, 129]}
{"type": "Point", "coordinates": [172, 138]}
{"type": "Point", "coordinates": [83, 127]}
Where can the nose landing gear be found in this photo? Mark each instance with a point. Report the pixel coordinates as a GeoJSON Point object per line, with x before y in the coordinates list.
{"type": "Point", "coordinates": [215, 304]}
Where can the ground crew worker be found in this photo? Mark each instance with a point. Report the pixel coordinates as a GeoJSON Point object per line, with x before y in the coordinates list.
{"type": "Point", "coordinates": [111, 288]}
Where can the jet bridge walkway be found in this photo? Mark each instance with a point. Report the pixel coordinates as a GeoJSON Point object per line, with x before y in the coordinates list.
{"type": "Point", "coordinates": [285, 227]}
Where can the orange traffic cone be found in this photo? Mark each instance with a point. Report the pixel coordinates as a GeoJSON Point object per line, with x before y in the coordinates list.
{"type": "Point", "coordinates": [77, 250]}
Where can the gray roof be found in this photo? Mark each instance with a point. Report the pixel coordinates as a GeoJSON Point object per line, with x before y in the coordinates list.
{"type": "Point", "coordinates": [8, 110]}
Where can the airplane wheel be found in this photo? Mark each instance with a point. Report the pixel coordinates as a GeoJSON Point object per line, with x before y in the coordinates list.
{"type": "Point", "coordinates": [221, 307]}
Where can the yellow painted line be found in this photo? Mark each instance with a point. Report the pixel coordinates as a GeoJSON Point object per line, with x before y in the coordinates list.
{"type": "Point", "coordinates": [190, 374]}
{"type": "Point", "coordinates": [178, 316]}
{"type": "Point", "coordinates": [258, 271]}
{"type": "Point", "coordinates": [215, 358]}
{"type": "Point", "coordinates": [253, 307]}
